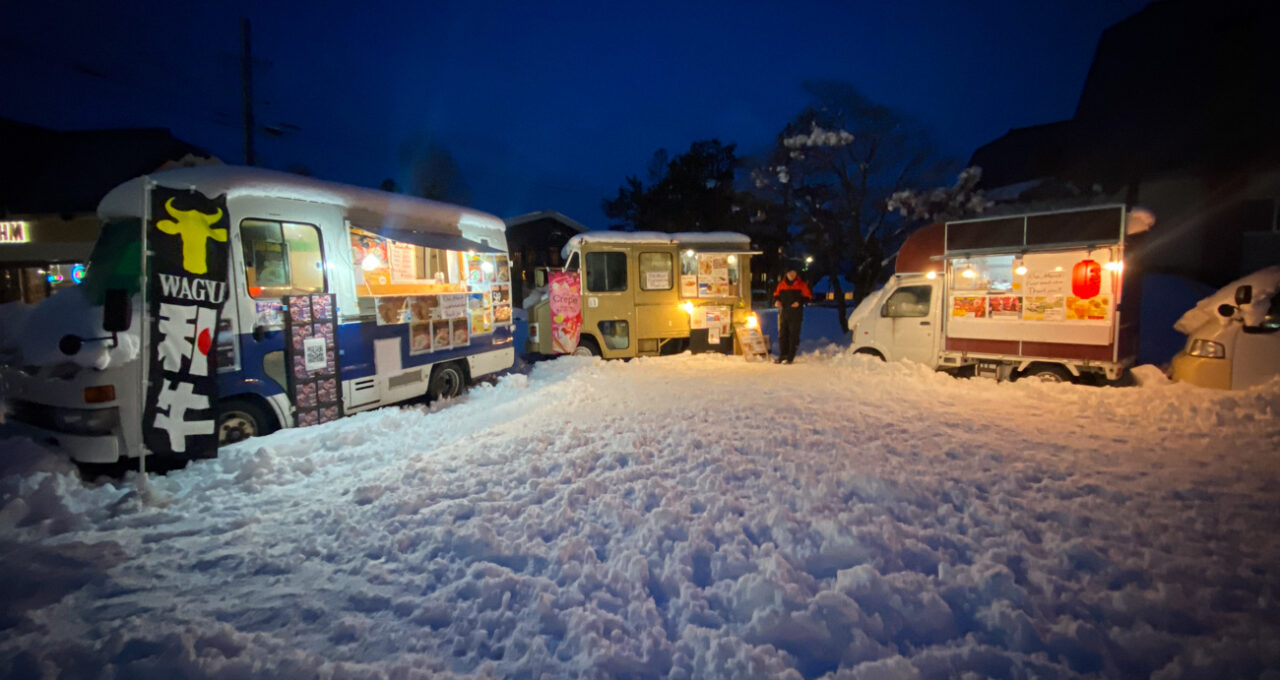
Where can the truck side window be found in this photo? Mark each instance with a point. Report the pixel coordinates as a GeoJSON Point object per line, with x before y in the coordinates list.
{"type": "Point", "coordinates": [655, 271]}
{"type": "Point", "coordinates": [908, 301]}
{"type": "Point", "coordinates": [606, 272]}
{"type": "Point", "coordinates": [281, 258]}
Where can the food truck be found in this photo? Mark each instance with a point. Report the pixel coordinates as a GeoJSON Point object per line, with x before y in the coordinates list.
{"type": "Point", "coordinates": [1034, 295]}
{"type": "Point", "coordinates": [628, 294]}
{"type": "Point", "coordinates": [269, 300]}
{"type": "Point", "coordinates": [1233, 336]}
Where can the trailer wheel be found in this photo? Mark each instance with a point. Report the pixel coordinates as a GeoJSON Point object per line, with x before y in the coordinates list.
{"type": "Point", "coordinates": [240, 419]}
{"type": "Point", "coordinates": [587, 347]}
{"type": "Point", "coordinates": [447, 381]}
{"type": "Point", "coordinates": [870, 352]}
{"type": "Point", "coordinates": [1050, 373]}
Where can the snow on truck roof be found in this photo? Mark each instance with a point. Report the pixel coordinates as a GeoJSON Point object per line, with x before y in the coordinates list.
{"type": "Point", "coordinates": [729, 240]}
{"type": "Point", "coordinates": [395, 210]}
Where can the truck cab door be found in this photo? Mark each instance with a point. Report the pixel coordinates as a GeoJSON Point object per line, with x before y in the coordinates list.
{"type": "Point", "coordinates": [909, 311]}
{"type": "Point", "coordinates": [608, 302]}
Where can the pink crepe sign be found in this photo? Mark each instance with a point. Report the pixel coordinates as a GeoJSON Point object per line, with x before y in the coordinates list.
{"type": "Point", "coordinates": [566, 311]}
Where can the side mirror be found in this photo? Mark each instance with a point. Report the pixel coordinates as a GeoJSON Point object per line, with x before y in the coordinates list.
{"type": "Point", "coordinates": [539, 278]}
{"type": "Point", "coordinates": [1244, 294]}
{"type": "Point", "coordinates": [117, 312]}
{"type": "Point", "coordinates": [1226, 310]}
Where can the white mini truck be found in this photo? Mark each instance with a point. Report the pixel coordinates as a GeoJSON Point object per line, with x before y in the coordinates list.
{"type": "Point", "coordinates": [1035, 295]}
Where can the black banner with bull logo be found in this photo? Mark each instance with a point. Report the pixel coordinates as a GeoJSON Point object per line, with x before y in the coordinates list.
{"type": "Point", "coordinates": [187, 286]}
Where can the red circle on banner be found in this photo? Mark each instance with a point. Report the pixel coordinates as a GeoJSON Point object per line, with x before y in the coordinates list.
{"type": "Point", "coordinates": [204, 342]}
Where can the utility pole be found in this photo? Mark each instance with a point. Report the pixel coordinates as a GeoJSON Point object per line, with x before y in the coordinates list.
{"type": "Point", "coordinates": [246, 90]}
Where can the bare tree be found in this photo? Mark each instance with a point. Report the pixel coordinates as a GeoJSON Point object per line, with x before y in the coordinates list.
{"type": "Point", "coordinates": [833, 169]}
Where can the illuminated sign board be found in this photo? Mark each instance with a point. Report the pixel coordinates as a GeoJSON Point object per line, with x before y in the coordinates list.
{"type": "Point", "coordinates": [15, 232]}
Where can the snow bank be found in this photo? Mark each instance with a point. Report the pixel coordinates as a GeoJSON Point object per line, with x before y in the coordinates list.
{"type": "Point", "coordinates": [683, 517]}
{"type": "Point", "coordinates": [1265, 282]}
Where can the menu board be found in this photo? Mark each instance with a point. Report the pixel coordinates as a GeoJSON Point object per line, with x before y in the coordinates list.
{"type": "Point", "coordinates": [403, 269]}
{"type": "Point", "coordinates": [312, 357]}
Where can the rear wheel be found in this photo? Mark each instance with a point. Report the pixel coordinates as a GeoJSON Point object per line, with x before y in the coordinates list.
{"type": "Point", "coordinates": [1050, 373]}
{"type": "Point", "coordinates": [240, 419]}
{"type": "Point", "coordinates": [587, 347]}
{"type": "Point", "coordinates": [447, 381]}
{"type": "Point", "coordinates": [871, 353]}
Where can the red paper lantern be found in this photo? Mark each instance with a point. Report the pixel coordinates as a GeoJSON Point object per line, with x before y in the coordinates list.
{"type": "Point", "coordinates": [1086, 279]}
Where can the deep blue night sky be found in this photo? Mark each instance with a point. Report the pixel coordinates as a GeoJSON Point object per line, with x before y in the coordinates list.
{"type": "Point", "coordinates": [544, 105]}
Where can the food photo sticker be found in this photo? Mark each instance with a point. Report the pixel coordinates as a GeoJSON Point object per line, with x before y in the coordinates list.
{"type": "Point", "coordinates": [420, 337]}
{"type": "Point", "coordinates": [306, 395]}
{"type": "Point", "coordinates": [300, 309]}
{"type": "Point", "coordinates": [441, 338]}
{"type": "Point", "coordinates": [392, 310]}
{"type": "Point", "coordinates": [502, 314]}
{"type": "Point", "coordinates": [299, 337]}
{"type": "Point", "coordinates": [423, 308]}
{"type": "Point", "coordinates": [501, 294]}
{"type": "Point", "coordinates": [321, 308]}
{"type": "Point", "coordinates": [306, 418]}
{"type": "Point", "coordinates": [300, 371]}
{"type": "Point", "coordinates": [327, 391]}
{"type": "Point", "coordinates": [504, 269]}
{"type": "Point", "coordinates": [461, 337]}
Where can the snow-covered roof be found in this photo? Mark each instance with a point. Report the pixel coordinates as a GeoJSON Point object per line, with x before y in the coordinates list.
{"type": "Point", "coordinates": [727, 240]}
{"type": "Point", "coordinates": [237, 181]}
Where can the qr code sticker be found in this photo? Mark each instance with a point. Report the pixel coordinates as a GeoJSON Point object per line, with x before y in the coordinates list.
{"type": "Point", "coordinates": [315, 353]}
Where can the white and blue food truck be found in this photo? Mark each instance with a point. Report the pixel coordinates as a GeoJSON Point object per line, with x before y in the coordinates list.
{"type": "Point", "coordinates": [222, 303]}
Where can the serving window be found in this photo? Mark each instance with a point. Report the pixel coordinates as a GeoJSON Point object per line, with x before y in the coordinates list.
{"type": "Point", "coordinates": [992, 274]}
{"type": "Point", "coordinates": [705, 275]}
{"type": "Point", "coordinates": [446, 296]}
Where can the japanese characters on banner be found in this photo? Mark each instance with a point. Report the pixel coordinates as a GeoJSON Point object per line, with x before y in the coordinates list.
{"type": "Point", "coordinates": [565, 292]}
{"type": "Point", "coordinates": [312, 357]}
{"type": "Point", "coordinates": [186, 289]}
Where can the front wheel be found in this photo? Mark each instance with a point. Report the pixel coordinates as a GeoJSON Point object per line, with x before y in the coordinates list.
{"type": "Point", "coordinates": [587, 347]}
{"type": "Point", "coordinates": [239, 419]}
{"type": "Point", "coordinates": [447, 382]}
{"type": "Point", "coordinates": [1046, 373]}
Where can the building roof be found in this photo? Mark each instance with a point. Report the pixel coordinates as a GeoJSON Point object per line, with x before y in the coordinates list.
{"type": "Point", "coordinates": [546, 215]}
{"type": "Point", "coordinates": [67, 172]}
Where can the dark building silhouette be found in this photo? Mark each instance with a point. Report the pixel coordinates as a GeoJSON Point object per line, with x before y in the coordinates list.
{"type": "Point", "coordinates": [1177, 114]}
{"type": "Point", "coordinates": [535, 240]}
{"type": "Point", "coordinates": [50, 185]}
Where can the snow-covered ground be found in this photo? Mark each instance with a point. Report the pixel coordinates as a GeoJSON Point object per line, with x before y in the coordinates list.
{"type": "Point", "coordinates": [682, 517]}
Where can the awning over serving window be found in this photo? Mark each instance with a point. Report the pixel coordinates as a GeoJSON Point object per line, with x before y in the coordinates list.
{"type": "Point", "coordinates": [430, 239]}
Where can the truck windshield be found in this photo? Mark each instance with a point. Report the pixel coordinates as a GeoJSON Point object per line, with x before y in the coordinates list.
{"type": "Point", "coordinates": [116, 260]}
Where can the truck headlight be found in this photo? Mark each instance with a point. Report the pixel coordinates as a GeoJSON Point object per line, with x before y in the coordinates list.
{"type": "Point", "coordinates": [1207, 349]}
{"type": "Point", "coordinates": [97, 421]}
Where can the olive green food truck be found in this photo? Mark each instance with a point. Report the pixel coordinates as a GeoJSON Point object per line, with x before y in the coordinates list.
{"type": "Point", "coordinates": [628, 294]}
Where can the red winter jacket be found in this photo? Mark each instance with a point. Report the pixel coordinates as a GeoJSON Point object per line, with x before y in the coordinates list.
{"type": "Point", "coordinates": [788, 292]}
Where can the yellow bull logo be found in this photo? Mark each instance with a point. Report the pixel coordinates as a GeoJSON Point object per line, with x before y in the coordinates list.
{"type": "Point", "coordinates": [194, 227]}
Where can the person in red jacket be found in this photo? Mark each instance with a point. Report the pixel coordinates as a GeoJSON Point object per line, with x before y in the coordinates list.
{"type": "Point", "coordinates": [790, 297]}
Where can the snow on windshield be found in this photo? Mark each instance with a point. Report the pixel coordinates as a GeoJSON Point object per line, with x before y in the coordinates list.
{"type": "Point", "coordinates": [34, 331]}
{"type": "Point", "coordinates": [682, 517]}
{"type": "Point", "coordinates": [1265, 283]}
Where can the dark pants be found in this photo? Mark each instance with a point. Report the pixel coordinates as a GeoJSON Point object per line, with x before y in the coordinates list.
{"type": "Point", "coordinates": [789, 321]}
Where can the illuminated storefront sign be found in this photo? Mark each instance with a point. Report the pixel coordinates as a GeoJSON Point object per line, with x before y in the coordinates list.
{"type": "Point", "coordinates": [15, 232]}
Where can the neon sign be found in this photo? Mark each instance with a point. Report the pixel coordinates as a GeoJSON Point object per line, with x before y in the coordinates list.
{"type": "Point", "coordinates": [15, 232]}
